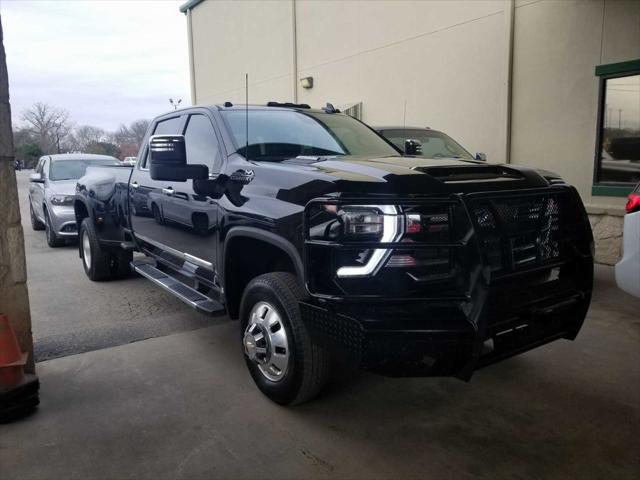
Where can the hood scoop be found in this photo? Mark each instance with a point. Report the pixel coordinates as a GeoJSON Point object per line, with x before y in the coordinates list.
{"type": "Point", "coordinates": [472, 173]}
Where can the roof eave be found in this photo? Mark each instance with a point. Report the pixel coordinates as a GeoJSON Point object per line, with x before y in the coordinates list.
{"type": "Point", "coordinates": [189, 5]}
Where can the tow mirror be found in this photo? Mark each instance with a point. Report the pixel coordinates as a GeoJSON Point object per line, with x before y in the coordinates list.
{"type": "Point", "coordinates": [481, 156]}
{"type": "Point", "coordinates": [36, 178]}
{"type": "Point", "coordinates": [169, 160]}
{"type": "Point", "coordinates": [412, 147]}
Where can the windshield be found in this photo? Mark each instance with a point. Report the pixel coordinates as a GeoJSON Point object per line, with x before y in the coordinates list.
{"type": "Point", "coordinates": [281, 134]}
{"type": "Point", "coordinates": [74, 169]}
{"type": "Point", "coordinates": [434, 144]}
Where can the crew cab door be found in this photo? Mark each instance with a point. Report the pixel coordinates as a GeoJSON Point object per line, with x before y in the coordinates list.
{"type": "Point", "coordinates": [147, 200]}
{"type": "Point", "coordinates": [179, 226]}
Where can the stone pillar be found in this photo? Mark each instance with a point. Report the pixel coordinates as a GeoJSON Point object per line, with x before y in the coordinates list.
{"type": "Point", "coordinates": [14, 297]}
{"type": "Point", "coordinates": [606, 224]}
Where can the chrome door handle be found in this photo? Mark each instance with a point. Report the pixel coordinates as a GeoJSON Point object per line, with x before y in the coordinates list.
{"type": "Point", "coordinates": [134, 185]}
{"type": "Point", "coordinates": [167, 191]}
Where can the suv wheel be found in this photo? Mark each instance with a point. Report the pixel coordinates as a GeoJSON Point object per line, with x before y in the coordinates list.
{"type": "Point", "coordinates": [100, 264]}
{"type": "Point", "coordinates": [35, 223]}
{"type": "Point", "coordinates": [52, 239]}
{"type": "Point", "coordinates": [286, 365]}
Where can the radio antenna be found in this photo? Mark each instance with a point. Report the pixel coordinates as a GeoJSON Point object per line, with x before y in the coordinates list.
{"type": "Point", "coordinates": [246, 112]}
{"type": "Point", "coordinates": [404, 118]}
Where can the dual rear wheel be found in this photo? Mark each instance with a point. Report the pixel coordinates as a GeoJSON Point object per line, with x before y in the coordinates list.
{"type": "Point", "coordinates": [100, 263]}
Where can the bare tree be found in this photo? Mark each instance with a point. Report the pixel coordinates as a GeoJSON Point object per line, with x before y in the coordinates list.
{"type": "Point", "coordinates": [138, 130]}
{"type": "Point", "coordinates": [129, 139]}
{"type": "Point", "coordinates": [48, 124]}
{"type": "Point", "coordinates": [87, 135]}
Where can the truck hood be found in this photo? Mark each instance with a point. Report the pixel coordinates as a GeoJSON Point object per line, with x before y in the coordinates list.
{"type": "Point", "coordinates": [421, 176]}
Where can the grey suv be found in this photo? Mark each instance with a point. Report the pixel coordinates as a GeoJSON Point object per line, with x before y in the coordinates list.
{"type": "Point", "coordinates": [51, 193]}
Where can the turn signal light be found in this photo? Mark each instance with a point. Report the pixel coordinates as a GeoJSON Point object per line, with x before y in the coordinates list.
{"type": "Point", "coordinates": [633, 204]}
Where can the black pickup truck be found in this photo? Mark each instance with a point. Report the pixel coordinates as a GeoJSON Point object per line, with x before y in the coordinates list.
{"type": "Point", "coordinates": [334, 250]}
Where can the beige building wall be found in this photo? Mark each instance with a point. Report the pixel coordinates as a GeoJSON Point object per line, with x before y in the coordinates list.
{"type": "Point", "coordinates": [557, 45]}
{"type": "Point", "coordinates": [446, 59]}
{"type": "Point", "coordinates": [230, 39]}
{"type": "Point", "coordinates": [512, 78]}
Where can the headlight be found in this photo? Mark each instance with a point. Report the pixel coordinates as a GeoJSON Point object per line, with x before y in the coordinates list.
{"type": "Point", "coordinates": [358, 228]}
{"type": "Point", "coordinates": [382, 222]}
{"type": "Point", "coordinates": [62, 200]}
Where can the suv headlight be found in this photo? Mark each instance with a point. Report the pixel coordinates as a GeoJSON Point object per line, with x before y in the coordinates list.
{"type": "Point", "coordinates": [62, 200]}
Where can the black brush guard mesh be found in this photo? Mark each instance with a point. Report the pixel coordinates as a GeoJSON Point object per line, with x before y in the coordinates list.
{"type": "Point", "coordinates": [505, 233]}
{"type": "Point", "coordinates": [520, 232]}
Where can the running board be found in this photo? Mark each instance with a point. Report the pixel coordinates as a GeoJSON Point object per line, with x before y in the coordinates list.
{"type": "Point", "coordinates": [189, 295]}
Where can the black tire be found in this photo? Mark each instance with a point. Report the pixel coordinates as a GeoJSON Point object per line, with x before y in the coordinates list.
{"type": "Point", "coordinates": [309, 364]}
{"type": "Point", "coordinates": [102, 264]}
{"type": "Point", "coordinates": [52, 239]}
{"type": "Point", "coordinates": [36, 224]}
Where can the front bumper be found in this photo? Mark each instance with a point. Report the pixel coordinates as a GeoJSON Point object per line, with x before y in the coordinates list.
{"type": "Point", "coordinates": [63, 221]}
{"type": "Point", "coordinates": [442, 339]}
{"type": "Point", "coordinates": [498, 302]}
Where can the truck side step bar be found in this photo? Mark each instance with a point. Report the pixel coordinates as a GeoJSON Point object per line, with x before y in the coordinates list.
{"type": "Point", "coordinates": [189, 295]}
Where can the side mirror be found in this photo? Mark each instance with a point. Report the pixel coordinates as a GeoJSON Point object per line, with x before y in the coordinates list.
{"type": "Point", "coordinates": [481, 156]}
{"type": "Point", "coordinates": [36, 178]}
{"type": "Point", "coordinates": [412, 147]}
{"type": "Point", "coordinates": [168, 159]}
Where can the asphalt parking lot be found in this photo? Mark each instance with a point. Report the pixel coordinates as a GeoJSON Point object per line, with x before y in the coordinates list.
{"type": "Point", "coordinates": [183, 406]}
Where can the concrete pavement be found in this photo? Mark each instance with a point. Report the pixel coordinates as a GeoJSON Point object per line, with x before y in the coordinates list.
{"type": "Point", "coordinates": [184, 406]}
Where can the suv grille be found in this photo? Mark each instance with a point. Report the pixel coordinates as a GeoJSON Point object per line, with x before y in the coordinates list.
{"type": "Point", "coordinates": [520, 232]}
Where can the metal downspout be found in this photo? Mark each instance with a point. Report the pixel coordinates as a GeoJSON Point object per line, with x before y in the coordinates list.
{"type": "Point", "coordinates": [192, 70]}
{"type": "Point", "coordinates": [294, 52]}
{"type": "Point", "coordinates": [510, 22]}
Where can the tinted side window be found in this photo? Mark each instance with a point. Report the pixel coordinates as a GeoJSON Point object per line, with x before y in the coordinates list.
{"type": "Point", "coordinates": [168, 127]}
{"type": "Point", "coordinates": [201, 143]}
{"type": "Point", "coordinates": [39, 166]}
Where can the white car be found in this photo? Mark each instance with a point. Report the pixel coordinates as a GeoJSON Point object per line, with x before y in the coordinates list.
{"type": "Point", "coordinates": [130, 161]}
{"type": "Point", "coordinates": [628, 269]}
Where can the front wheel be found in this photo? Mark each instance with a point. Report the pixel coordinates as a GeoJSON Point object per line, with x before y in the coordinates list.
{"type": "Point", "coordinates": [285, 363]}
{"type": "Point", "coordinates": [35, 223]}
{"type": "Point", "coordinates": [52, 239]}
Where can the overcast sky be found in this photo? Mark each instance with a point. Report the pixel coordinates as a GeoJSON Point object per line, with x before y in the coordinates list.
{"type": "Point", "coordinates": [106, 62]}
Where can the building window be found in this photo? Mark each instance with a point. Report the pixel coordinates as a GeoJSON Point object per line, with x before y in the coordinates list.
{"type": "Point", "coordinates": [618, 142]}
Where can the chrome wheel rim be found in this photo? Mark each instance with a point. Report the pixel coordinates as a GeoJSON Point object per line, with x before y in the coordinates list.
{"type": "Point", "coordinates": [266, 343]}
{"type": "Point", "coordinates": [86, 250]}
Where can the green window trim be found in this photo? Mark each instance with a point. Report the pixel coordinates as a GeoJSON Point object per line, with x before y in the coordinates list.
{"type": "Point", "coordinates": [618, 68]}
{"type": "Point", "coordinates": [605, 72]}
{"type": "Point", "coordinates": [611, 190]}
